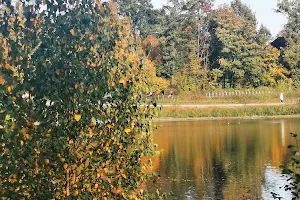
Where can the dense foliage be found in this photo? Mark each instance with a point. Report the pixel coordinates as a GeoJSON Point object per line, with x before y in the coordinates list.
{"type": "Point", "coordinates": [291, 59]}
{"type": "Point", "coordinates": [224, 44]}
{"type": "Point", "coordinates": [72, 78]}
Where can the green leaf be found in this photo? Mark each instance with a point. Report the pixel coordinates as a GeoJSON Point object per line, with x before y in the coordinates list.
{"type": "Point", "coordinates": [287, 171]}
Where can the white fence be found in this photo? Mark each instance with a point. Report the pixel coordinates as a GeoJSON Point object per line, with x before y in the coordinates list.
{"type": "Point", "coordinates": [235, 93]}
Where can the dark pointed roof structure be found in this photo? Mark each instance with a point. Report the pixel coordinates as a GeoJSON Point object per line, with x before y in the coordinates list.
{"type": "Point", "coordinates": [279, 43]}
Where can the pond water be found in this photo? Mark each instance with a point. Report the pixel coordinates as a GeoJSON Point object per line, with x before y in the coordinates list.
{"type": "Point", "coordinates": [223, 159]}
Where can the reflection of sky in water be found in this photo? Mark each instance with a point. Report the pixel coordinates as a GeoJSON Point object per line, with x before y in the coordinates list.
{"type": "Point", "coordinates": [282, 132]}
{"type": "Point", "coordinates": [281, 122]}
{"type": "Point", "coordinates": [275, 182]}
{"type": "Point", "coordinates": [190, 193]}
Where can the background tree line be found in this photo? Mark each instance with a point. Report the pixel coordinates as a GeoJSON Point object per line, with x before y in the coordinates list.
{"type": "Point", "coordinates": [196, 47]}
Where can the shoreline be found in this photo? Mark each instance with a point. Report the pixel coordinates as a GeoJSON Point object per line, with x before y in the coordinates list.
{"type": "Point", "coordinates": [171, 119]}
{"type": "Point", "coordinates": [225, 105]}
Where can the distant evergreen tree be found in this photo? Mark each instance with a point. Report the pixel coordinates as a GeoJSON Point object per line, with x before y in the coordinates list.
{"type": "Point", "coordinates": [233, 50]}
{"type": "Point", "coordinates": [145, 19]}
{"type": "Point", "coordinates": [186, 27]}
{"type": "Point", "coordinates": [244, 11]}
{"type": "Point", "coordinates": [263, 35]}
{"type": "Point", "coordinates": [291, 59]}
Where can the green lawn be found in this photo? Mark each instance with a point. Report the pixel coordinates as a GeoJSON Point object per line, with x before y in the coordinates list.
{"type": "Point", "coordinates": [180, 112]}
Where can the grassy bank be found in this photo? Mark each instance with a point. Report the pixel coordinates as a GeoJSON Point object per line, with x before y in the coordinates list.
{"type": "Point", "coordinates": [179, 112]}
{"type": "Point", "coordinates": [201, 98]}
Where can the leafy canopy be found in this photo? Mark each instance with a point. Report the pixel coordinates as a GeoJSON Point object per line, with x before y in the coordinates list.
{"type": "Point", "coordinates": [71, 121]}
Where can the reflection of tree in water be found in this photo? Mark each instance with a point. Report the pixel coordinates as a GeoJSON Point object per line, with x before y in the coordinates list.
{"type": "Point", "coordinates": [197, 156]}
{"type": "Point", "coordinates": [219, 177]}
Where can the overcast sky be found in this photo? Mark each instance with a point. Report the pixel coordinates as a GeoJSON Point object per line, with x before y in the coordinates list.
{"type": "Point", "coordinates": [264, 10]}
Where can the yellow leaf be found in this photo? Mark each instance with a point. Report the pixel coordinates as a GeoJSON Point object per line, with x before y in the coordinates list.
{"type": "Point", "coordinates": [2, 81]}
{"type": "Point", "coordinates": [7, 66]}
{"type": "Point", "coordinates": [109, 126]}
{"type": "Point", "coordinates": [87, 163]}
{"type": "Point", "coordinates": [98, 175]}
{"type": "Point", "coordinates": [9, 89]}
{"type": "Point", "coordinates": [118, 191]}
{"type": "Point", "coordinates": [123, 175]}
{"type": "Point", "coordinates": [37, 151]}
{"type": "Point", "coordinates": [6, 151]}
{"type": "Point", "coordinates": [72, 32]}
{"type": "Point", "coordinates": [28, 123]}
{"type": "Point", "coordinates": [26, 134]}
{"type": "Point", "coordinates": [57, 194]}
{"type": "Point", "coordinates": [12, 178]}
{"type": "Point", "coordinates": [105, 170]}
{"type": "Point", "coordinates": [77, 117]}
{"type": "Point", "coordinates": [7, 117]}
{"type": "Point", "coordinates": [67, 191]}
{"type": "Point", "coordinates": [132, 124]}
{"type": "Point", "coordinates": [73, 179]}
{"type": "Point", "coordinates": [65, 166]}
{"type": "Point", "coordinates": [127, 130]}
{"type": "Point", "coordinates": [91, 37]}
{"type": "Point", "coordinates": [13, 124]}
{"type": "Point", "coordinates": [122, 81]}
{"type": "Point", "coordinates": [93, 121]}
{"type": "Point", "coordinates": [92, 64]}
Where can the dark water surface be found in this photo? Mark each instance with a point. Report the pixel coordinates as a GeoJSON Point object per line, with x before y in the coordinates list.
{"type": "Point", "coordinates": [223, 159]}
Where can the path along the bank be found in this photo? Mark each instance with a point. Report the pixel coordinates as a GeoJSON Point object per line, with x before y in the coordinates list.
{"type": "Point", "coordinates": [221, 105]}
